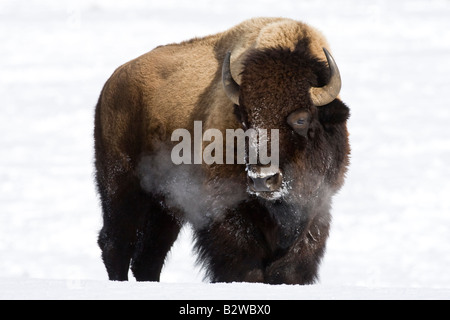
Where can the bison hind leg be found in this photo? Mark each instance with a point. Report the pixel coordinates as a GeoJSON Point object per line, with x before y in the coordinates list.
{"type": "Point", "coordinates": [155, 238]}
{"type": "Point", "coordinates": [137, 231]}
{"type": "Point", "coordinates": [117, 238]}
{"type": "Point", "coordinates": [116, 255]}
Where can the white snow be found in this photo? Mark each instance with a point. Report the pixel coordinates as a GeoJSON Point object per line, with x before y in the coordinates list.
{"type": "Point", "coordinates": [390, 235]}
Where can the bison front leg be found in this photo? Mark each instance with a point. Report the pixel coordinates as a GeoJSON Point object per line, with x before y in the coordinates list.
{"type": "Point", "coordinates": [300, 265]}
{"type": "Point", "coordinates": [230, 251]}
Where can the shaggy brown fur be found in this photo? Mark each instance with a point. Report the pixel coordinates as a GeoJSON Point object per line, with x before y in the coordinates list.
{"type": "Point", "coordinates": [239, 236]}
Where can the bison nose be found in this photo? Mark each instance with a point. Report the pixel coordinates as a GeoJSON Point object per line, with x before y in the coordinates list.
{"type": "Point", "coordinates": [264, 181]}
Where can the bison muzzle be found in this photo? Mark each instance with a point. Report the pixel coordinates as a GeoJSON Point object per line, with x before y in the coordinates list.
{"type": "Point", "coordinates": [252, 221]}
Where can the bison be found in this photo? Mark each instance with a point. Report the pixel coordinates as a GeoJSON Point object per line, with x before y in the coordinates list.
{"type": "Point", "coordinates": [252, 222]}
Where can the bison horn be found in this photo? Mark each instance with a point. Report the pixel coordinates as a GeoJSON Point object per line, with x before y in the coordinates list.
{"type": "Point", "coordinates": [229, 85]}
{"type": "Point", "coordinates": [321, 96]}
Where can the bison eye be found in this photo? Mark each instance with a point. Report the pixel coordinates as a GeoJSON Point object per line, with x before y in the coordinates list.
{"type": "Point", "coordinates": [299, 121]}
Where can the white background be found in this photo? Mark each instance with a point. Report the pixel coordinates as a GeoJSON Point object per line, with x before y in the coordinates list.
{"type": "Point", "coordinates": [390, 236]}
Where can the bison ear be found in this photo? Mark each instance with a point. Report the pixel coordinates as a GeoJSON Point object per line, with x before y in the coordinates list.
{"type": "Point", "coordinates": [335, 112]}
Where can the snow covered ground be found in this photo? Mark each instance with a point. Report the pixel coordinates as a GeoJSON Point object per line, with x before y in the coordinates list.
{"type": "Point", "coordinates": [390, 237]}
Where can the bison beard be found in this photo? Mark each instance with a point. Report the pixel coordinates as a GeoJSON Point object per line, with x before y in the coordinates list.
{"type": "Point", "coordinates": [242, 232]}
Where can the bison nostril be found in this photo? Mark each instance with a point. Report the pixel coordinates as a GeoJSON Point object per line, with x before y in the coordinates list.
{"type": "Point", "coordinates": [258, 184]}
{"type": "Point", "coordinates": [274, 181]}
{"type": "Point", "coordinates": [265, 183]}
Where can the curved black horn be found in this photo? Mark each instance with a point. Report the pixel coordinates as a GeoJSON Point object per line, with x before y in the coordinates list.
{"type": "Point", "coordinates": [321, 96]}
{"type": "Point", "coordinates": [229, 85]}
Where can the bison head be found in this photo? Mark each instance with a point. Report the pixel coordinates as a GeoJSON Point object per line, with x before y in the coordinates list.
{"type": "Point", "coordinates": [296, 93]}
